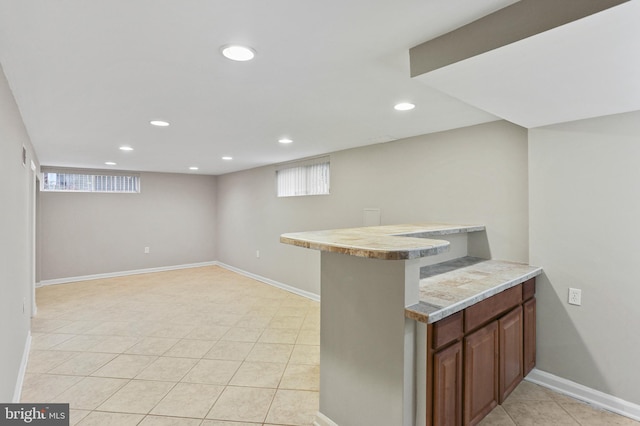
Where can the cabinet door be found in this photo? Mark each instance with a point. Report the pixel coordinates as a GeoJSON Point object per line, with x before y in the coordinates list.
{"type": "Point", "coordinates": [447, 383]}
{"type": "Point", "coordinates": [511, 364]}
{"type": "Point", "coordinates": [529, 335]}
{"type": "Point", "coordinates": [480, 373]}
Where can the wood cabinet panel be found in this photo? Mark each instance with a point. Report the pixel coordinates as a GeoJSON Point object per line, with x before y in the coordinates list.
{"type": "Point", "coordinates": [491, 308]}
{"type": "Point", "coordinates": [447, 397]}
{"type": "Point", "coordinates": [480, 373]}
{"type": "Point", "coordinates": [511, 343]}
{"type": "Point", "coordinates": [448, 330]}
{"type": "Point", "coordinates": [529, 337]}
{"type": "Point", "coordinates": [528, 289]}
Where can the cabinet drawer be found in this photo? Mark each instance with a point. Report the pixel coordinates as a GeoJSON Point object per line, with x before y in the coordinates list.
{"type": "Point", "coordinates": [528, 289]}
{"type": "Point", "coordinates": [491, 308]}
{"type": "Point", "coordinates": [447, 330]}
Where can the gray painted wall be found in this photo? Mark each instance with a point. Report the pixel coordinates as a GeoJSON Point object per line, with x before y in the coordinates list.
{"type": "Point", "coordinates": [95, 233]}
{"type": "Point", "coordinates": [584, 210]}
{"type": "Point", "coordinates": [16, 240]}
{"type": "Point", "coordinates": [471, 175]}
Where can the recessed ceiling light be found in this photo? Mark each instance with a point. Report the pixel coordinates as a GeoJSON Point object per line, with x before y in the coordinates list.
{"type": "Point", "coordinates": [109, 163]}
{"type": "Point", "coordinates": [126, 148]}
{"type": "Point", "coordinates": [238, 53]}
{"type": "Point", "coordinates": [227, 158]}
{"type": "Point", "coordinates": [285, 140]}
{"type": "Point", "coordinates": [404, 106]}
{"type": "Point", "coordinates": [193, 168]}
{"type": "Point", "coordinates": [159, 123]}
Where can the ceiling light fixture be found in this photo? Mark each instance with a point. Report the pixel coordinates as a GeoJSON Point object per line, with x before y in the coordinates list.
{"type": "Point", "coordinates": [238, 53]}
{"type": "Point", "coordinates": [109, 163]}
{"type": "Point", "coordinates": [285, 140]}
{"type": "Point", "coordinates": [126, 148]}
{"type": "Point", "coordinates": [193, 168]}
{"type": "Point", "coordinates": [227, 158]}
{"type": "Point", "coordinates": [404, 106]}
{"type": "Point", "coordinates": [159, 123]}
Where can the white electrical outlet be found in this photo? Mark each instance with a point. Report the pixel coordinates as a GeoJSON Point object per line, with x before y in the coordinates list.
{"type": "Point", "coordinates": [575, 296]}
{"type": "Point", "coordinates": [146, 250]}
{"type": "Point", "coordinates": [258, 254]}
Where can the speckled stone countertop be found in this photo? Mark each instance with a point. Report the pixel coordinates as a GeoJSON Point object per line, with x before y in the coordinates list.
{"type": "Point", "coordinates": [449, 287]}
{"type": "Point", "coordinates": [391, 242]}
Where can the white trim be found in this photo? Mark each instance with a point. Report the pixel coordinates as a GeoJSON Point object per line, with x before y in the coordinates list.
{"type": "Point", "coordinates": [322, 420]}
{"type": "Point", "coordinates": [286, 287]}
{"type": "Point", "coordinates": [591, 396]}
{"type": "Point", "coordinates": [123, 273]}
{"type": "Point", "coordinates": [17, 392]}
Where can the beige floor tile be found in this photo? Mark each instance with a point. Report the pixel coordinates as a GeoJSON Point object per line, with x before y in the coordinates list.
{"type": "Point", "coordinates": [293, 407]}
{"type": "Point", "coordinates": [279, 335]}
{"type": "Point", "coordinates": [167, 369]}
{"type": "Point", "coordinates": [293, 311]}
{"type": "Point", "coordinates": [45, 387]}
{"type": "Point", "coordinates": [311, 322]}
{"type": "Point", "coordinates": [188, 400]}
{"type": "Point", "coordinates": [83, 364]}
{"type": "Point", "coordinates": [78, 327]}
{"type": "Point", "coordinates": [238, 334]}
{"type": "Point", "coordinates": [152, 346]}
{"type": "Point", "coordinates": [173, 330]}
{"type": "Point", "coordinates": [305, 354]}
{"type": "Point", "coordinates": [115, 344]}
{"type": "Point", "coordinates": [528, 413]}
{"type": "Point", "coordinates": [47, 341]}
{"type": "Point", "coordinates": [76, 415]}
{"type": "Point", "coordinates": [497, 417]}
{"type": "Point", "coordinates": [42, 361]}
{"type": "Point", "coordinates": [301, 377]}
{"type": "Point", "coordinates": [258, 374]}
{"type": "Point", "coordinates": [189, 348]}
{"type": "Point", "coordinates": [78, 343]}
{"type": "Point", "coordinates": [223, 423]}
{"type": "Point", "coordinates": [253, 321]}
{"type": "Point", "coordinates": [137, 396]}
{"type": "Point", "coordinates": [590, 416]}
{"type": "Point", "coordinates": [270, 352]}
{"type": "Point", "coordinates": [527, 391]}
{"type": "Point", "coordinates": [286, 322]}
{"type": "Point", "coordinates": [228, 350]}
{"type": "Point", "coordinates": [212, 371]}
{"type": "Point", "coordinates": [242, 404]}
{"type": "Point", "coordinates": [110, 328]}
{"type": "Point", "coordinates": [168, 421]}
{"type": "Point", "coordinates": [97, 418]}
{"type": "Point", "coordinates": [125, 366]}
{"type": "Point", "coordinates": [46, 325]}
{"type": "Point", "coordinates": [208, 332]}
{"type": "Point", "coordinates": [309, 337]}
{"type": "Point", "coordinates": [90, 392]}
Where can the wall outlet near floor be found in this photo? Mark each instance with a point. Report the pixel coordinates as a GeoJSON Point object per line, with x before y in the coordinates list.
{"type": "Point", "coordinates": [146, 250]}
{"type": "Point", "coordinates": [258, 254]}
{"type": "Point", "coordinates": [575, 296]}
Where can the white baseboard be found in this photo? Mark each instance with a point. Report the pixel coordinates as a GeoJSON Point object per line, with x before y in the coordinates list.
{"type": "Point", "coordinates": [591, 396]}
{"type": "Point", "coordinates": [322, 420]}
{"type": "Point", "coordinates": [290, 289]}
{"type": "Point", "coordinates": [17, 392]}
{"type": "Point", "coordinates": [123, 273]}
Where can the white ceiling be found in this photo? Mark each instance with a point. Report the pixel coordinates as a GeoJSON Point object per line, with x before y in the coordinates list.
{"type": "Point", "coordinates": [587, 68]}
{"type": "Point", "coordinates": [88, 76]}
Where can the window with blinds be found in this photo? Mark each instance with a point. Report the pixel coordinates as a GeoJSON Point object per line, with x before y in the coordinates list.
{"type": "Point", "coordinates": [69, 180]}
{"type": "Point", "coordinates": [310, 177]}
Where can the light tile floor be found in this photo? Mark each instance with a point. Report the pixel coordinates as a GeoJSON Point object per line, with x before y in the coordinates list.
{"type": "Point", "coordinates": [206, 347]}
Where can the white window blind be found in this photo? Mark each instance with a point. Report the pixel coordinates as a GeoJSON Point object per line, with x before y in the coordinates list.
{"type": "Point", "coordinates": [310, 177]}
{"type": "Point", "coordinates": [75, 180]}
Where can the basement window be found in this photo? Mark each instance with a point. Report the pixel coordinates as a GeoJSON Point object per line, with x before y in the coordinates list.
{"type": "Point", "coordinates": [74, 180]}
{"type": "Point", "coordinates": [308, 177]}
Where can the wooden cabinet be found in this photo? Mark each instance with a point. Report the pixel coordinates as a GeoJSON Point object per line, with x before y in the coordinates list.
{"type": "Point", "coordinates": [447, 378]}
{"type": "Point", "coordinates": [511, 350]}
{"type": "Point", "coordinates": [477, 357]}
{"type": "Point", "coordinates": [480, 373]}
